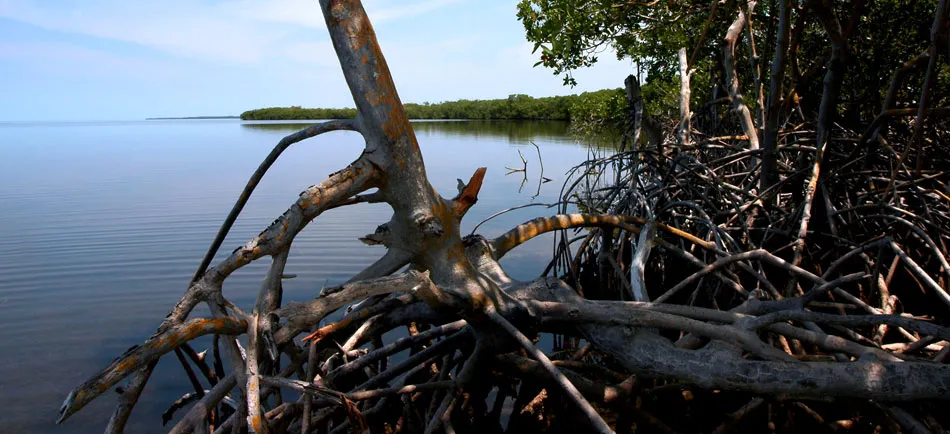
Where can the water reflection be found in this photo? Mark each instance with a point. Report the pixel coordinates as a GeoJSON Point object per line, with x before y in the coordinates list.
{"type": "Point", "coordinates": [515, 131]}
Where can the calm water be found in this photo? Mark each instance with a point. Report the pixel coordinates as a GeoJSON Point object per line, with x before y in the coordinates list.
{"type": "Point", "coordinates": [102, 225]}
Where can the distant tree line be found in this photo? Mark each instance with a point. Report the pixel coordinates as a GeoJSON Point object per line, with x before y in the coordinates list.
{"type": "Point", "coordinates": [601, 107]}
{"type": "Point", "coordinates": [297, 113]}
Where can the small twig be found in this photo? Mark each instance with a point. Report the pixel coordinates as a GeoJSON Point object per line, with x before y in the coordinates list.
{"type": "Point", "coordinates": [569, 390]}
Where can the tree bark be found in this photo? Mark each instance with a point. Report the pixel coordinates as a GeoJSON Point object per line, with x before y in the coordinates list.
{"type": "Point", "coordinates": [683, 130]}
{"type": "Point", "coordinates": [732, 82]}
{"type": "Point", "coordinates": [768, 175]}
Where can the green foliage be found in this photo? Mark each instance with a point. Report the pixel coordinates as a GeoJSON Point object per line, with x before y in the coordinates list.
{"type": "Point", "coordinates": [571, 34]}
{"type": "Point", "coordinates": [296, 113]}
{"type": "Point", "coordinates": [604, 107]}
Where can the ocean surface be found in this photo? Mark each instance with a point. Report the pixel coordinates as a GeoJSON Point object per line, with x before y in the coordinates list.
{"type": "Point", "coordinates": [102, 225]}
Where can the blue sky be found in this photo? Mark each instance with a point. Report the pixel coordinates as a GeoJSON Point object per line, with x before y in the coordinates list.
{"type": "Point", "coordinates": [131, 59]}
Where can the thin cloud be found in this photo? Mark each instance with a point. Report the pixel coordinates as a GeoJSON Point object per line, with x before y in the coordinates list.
{"type": "Point", "coordinates": [72, 60]}
{"type": "Point", "coordinates": [277, 52]}
{"type": "Point", "coordinates": [178, 27]}
{"type": "Point", "coordinates": [245, 31]}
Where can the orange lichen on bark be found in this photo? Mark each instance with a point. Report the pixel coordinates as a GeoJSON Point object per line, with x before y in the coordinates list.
{"type": "Point", "coordinates": [538, 226]}
{"type": "Point", "coordinates": [324, 331]}
{"type": "Point", "coordinates": [469, 194]}
{"type": "Point", "coordinates": [151, 350]}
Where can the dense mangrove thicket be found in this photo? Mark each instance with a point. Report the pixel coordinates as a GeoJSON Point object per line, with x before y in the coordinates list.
{"type": "Point", "coordinates": [873, 39]}
{"type": "Point", "coordinates": [603, 107]}
{"type": "Point", "coordinates": [761, 262]}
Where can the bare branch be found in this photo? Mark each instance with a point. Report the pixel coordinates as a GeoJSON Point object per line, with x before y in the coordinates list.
{"type": "Point", "coordinates": [139, 356]}
{"type": "Point", "coordinates": [644, 245]}
{"type": "Point", "coordinates": [312, 131]}
{"type": "Point", "coordinates": [302, 315]}
{"type": "Point", "coordinates": [732, 81]}
{"type": "Point", "coordinates": [528, 230]}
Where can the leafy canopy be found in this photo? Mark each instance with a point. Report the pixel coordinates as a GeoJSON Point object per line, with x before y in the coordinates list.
{"type": "Point", "coordinates": [881, 35]}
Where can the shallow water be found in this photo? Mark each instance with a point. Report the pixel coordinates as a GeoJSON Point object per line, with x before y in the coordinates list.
{"type": "Point", "coordinates": [103, 223]}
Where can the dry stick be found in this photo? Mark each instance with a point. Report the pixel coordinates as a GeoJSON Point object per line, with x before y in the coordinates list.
{"type": "Point", "coordinates": [415, 360]}
{"type": "Point", "coordinates": [732, 82]}
{"type": "Point", "coordinates": [754, 306]}
{"type": "Point", "coordinates": [761, 254]}
{"type": "Point", "coordinates": [359, 336]}
{"type": "Point", "coordinates": [268, 299]}
{"type": "Point", "coordinates": [355, 315]}
{"type": "Point", "coordinates": [332, 397]}
{"type": "Point", "coordinates": [190, 373]}
{"type": "Point", "coordinates": [640, 257]}
{"type": "Point", "coordinates": [311, 376]}
{"type": "Point", "coordinates": [689, 257]}
{"type": "Point", "coordinates": [252, 391]}
{"type": "Point", "coordinates": [540, 163]}
{"type": "Point", "coordinates": [683, 130]}
{"type": "Point", "coordinates": [128, 397]}
{"type": "Point", "coordinates": [199, 361]}
{"type": "Point", "coordinates": [299, 316]}
{"type": "Point", "coordinates": [826, 113]}
{"type": "Point", "coordinates": [940, 21]}
{"type": "Point", "coordinates": [593, 417]}
{"type": "Point", "coordinates": [437, 396]}
{"type": "Point", "coordinates": [888, 301]}
{"type": "Point", "coordinates": [198, 412]}
{"type": "Point", "coordinates": [915, 346]}
{"type": "Point", "coordinates": [396, 346]}
{"type": "Point", "coordinates": [441, 415]}
{"type": "Point", "coordinates": [942, 355]}
{"type": "Point", "coordinates": [379, 406]}
{"type": "Point", "coordinates": [236, 357]}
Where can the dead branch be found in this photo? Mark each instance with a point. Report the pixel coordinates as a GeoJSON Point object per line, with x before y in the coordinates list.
{"type": "Point", "coordinates": [732, 81]}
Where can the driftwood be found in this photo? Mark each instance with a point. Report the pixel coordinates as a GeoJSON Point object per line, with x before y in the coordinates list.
{"type": "Point", "coordinates": [724, 344]}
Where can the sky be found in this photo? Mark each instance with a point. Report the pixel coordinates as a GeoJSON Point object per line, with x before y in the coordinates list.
{"type": "Point", "coordinates": [132, 59]}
